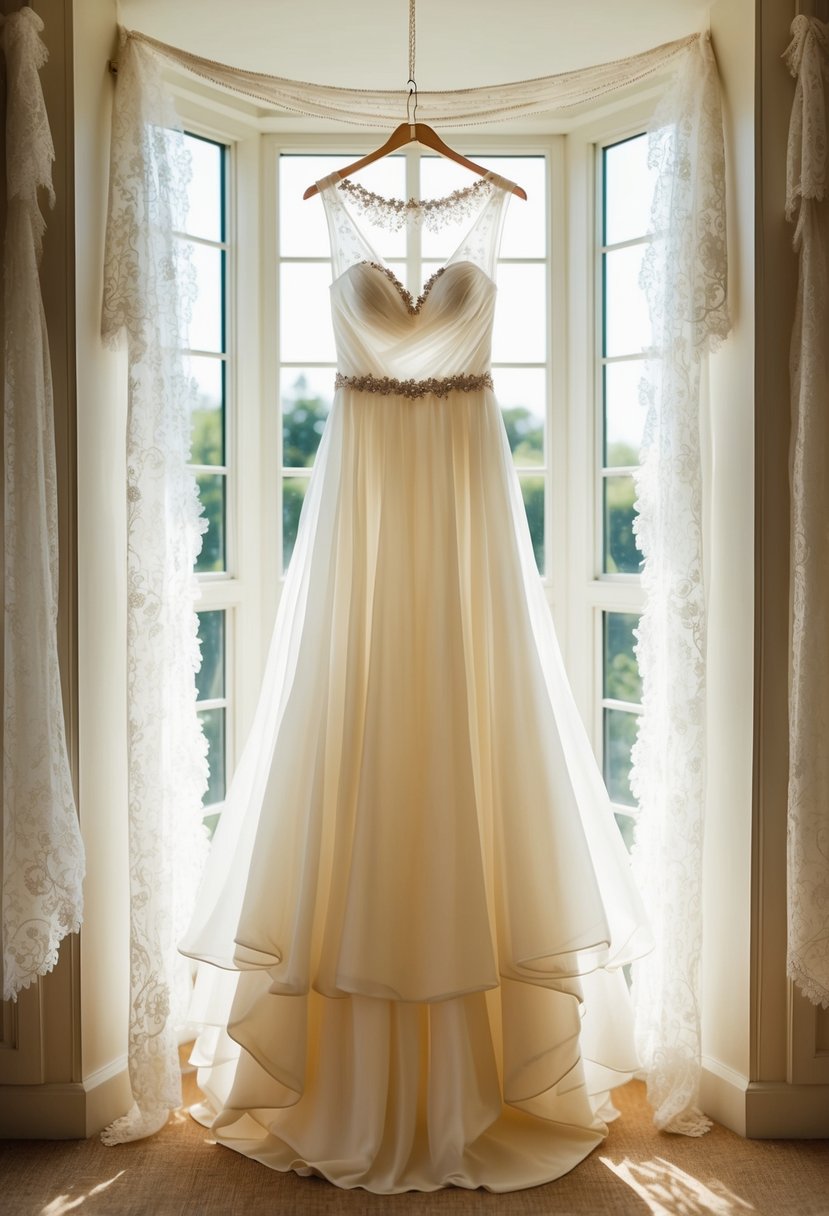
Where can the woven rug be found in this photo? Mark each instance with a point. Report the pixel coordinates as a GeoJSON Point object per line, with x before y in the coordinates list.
{"type": "Point", "coordinates": [637, 1171]}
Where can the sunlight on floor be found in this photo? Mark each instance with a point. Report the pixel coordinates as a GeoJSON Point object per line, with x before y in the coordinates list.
{"type": "Point", "coordinates": [63, 1203]}
{"type": "Point", "coordinates": [669, 1191]}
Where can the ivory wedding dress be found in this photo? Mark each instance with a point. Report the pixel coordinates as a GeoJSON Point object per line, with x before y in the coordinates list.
{"type": "Point", "coordinates": [417, 904]}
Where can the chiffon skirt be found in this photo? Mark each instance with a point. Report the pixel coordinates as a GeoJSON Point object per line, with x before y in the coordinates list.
{"type": "Point", "coordinates": [417, 905]}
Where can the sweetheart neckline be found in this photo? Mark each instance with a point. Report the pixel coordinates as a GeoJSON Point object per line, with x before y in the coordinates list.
{"type": "Point", "coordinates": [413, 307]}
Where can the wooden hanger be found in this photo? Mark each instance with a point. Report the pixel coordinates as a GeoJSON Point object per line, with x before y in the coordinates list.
{"type": "Point", "coordinates": [412, 132]}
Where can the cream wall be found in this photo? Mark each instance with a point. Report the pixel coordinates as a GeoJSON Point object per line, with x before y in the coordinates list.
{"type": "Point", "coordinates": [101, 412]}
{"type": "Point", "coordinates": [765, 1057]}
{"type": "Point", "coordinates": [460, 44]}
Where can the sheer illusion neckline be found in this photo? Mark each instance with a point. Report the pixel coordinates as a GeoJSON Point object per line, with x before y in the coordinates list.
{"type": "Point", "coordinates": [394, 213]}
{"type": "Point", "coordinates": [458, 203]}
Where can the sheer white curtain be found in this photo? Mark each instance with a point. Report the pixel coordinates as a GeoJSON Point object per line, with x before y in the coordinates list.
{"type": "Point", "coordinates": [807, 206]}
{"type": "Point", "coordinates": [147, 282]}
{"type": "Point", "coordinates": [685, 276]}
{"type": "Point", "coordinates": [686, 273]}
{"type": "Point", "coordinates": [42, 852]}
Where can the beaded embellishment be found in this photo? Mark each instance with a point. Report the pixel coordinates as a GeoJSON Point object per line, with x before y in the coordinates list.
{"type": "Point", "coordinates": [394, 213]}
{"type": "Point", "coordinates": [437, 386]}
{"type": "Point", "coordinates": [413, 306]}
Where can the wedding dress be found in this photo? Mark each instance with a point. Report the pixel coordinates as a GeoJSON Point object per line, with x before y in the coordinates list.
{"type": "Point", "coordinates": [417, 904]}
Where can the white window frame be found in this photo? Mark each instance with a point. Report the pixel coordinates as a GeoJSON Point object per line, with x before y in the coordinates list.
{"type": "Point", "coordinates": [237, 591]}
{"type": "Point", "coordinates": [550, 146]}
{"type": "Point", "coordinates": [591, 592]}
{"type": "Point", "coordinates": [578, 592]}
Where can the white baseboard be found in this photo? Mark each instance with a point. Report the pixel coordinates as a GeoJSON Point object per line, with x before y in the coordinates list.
{"type": "Point", "coordinates": [723, 1094]}
{"type": "Point", "coordinates": [71, 1110]}
{"type": "Point", "coordinates": [776, 1110]}
{"type": "Point", "coordinates": [763, 1110]}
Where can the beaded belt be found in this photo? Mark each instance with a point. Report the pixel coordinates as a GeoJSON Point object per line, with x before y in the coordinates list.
{"type": "Point", "coordinates": [388, 386]}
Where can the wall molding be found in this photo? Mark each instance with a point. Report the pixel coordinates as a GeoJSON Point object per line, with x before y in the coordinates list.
{"type": "Point", "coordinates": [763, 1110]}
{"type": "Point", "coordinates": [71, 1110]}
{"type": "Point", "coordinates": [778, 1110]}
{"type": "Point", "coordinates": [723, 1094]}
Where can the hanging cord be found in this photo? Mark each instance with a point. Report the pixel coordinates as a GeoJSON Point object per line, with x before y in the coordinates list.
{"type": "Point", "coordinates": [411, 84]}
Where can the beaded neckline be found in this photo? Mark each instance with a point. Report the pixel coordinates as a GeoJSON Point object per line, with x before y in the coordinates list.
{"type": "Point", "coordinates": [413, 306]}
{"type": "Point", "coordinates": [394, 213]}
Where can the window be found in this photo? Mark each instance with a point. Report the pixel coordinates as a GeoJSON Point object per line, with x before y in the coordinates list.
{"type": "Point", "coordinates": [623, 198]}
{"type": "Point", "coordinates": [262, 412]}
{"type": "Point", "coordinates": [208, 358]}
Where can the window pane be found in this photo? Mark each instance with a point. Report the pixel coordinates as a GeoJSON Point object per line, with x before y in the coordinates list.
{"type": "Point", "coordinates": [306, 397]}
{"type": "Point", "coordinates": [205, 193]}
{"type": "Point", "coordinates": [213, 725]}
{"type": "Point", "coordinates": [627, 323]}
{"type": "Point", "coordinates": [206, 328]}
{"type": "Point", "coordinates": [620, 731]}
{"type": "Point", "coordinates": [624, 414]}
{"type": "Point", "coordinates": [439, 178]}
{"type": "Point", "coordinates": [520, 334]}
{"type": "Point", "coordinates": [306, 334]}
{"type": "Point", "coordinates": [622, 681]}
{"type": "Point", "coordinates": [210, 678]}
{"type": "Point", "coordinates": [303, 229]}
{"type": "Point", "coordinates": [525, 227]}
{"type": "Point", "coordinates": [212, 495]}
{"type": "Point", "coordinates": [621, 555]}
{"type": "Point", "coordinates": [627, 826]}
{"type": "Point", "coordinates": [207, 418]}
{"type": "Point", "coordinates": [521, 393]}
{"type": "Point", "coordinates": [532, 491]}
{"type": "Point", "coordinates": [628, 190]}
{"type": "Point", "coordinates": [386, 177]}
{"type": "Point", "coordinates": [293, 496]}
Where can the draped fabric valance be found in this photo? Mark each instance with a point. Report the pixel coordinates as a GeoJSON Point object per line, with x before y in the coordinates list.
{"type": "Point", "coordinates": [451, 107]}
{"type": "Point", "coordinates": [685, 276]}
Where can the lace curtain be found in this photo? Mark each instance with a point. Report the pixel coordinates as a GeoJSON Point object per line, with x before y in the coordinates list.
{"type": "Point", "coordinates": [685, 278]}
{"type": "Point", "coordinates": [686, 274]}
{"type": "Point", "coordinates": [42, 851]}
{"type": "Point", "coordinates": [147, 283]}
{"type": "Point", "coordinates": [807, 206]}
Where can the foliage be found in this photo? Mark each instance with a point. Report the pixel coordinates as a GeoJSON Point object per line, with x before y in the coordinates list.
{"type": "Point", "coordinates": [303, 421]}
{"type": "Point", "coordinates": [207, 448]}
{"type": "Point", "coordinates": [525, 433]}
{"type": "Point", "coordinates": [621, 553]}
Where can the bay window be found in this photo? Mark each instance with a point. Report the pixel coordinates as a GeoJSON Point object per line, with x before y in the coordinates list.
{"type": "Point", "coordinates": [254, 447]}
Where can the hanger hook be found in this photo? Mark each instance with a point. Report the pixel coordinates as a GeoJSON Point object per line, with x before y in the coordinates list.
{"type": "Point", "coordinates": [411, 118]}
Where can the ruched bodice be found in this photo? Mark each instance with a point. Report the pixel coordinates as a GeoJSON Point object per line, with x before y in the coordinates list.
{"type": "Point", "coordinates": [381, 331]}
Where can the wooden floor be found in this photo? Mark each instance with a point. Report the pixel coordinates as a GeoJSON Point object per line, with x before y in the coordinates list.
{"type": "Point", "coordinates": [637, 1171]}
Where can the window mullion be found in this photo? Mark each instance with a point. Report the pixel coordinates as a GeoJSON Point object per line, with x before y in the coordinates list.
{"type": "Point", "coordinates": [414, 244]}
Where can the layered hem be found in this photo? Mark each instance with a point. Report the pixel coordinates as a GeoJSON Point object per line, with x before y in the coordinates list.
{"type": "Point", "coordinates": [489, 1090]}
{"type": "Point", "coordinates": [417, 892]}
